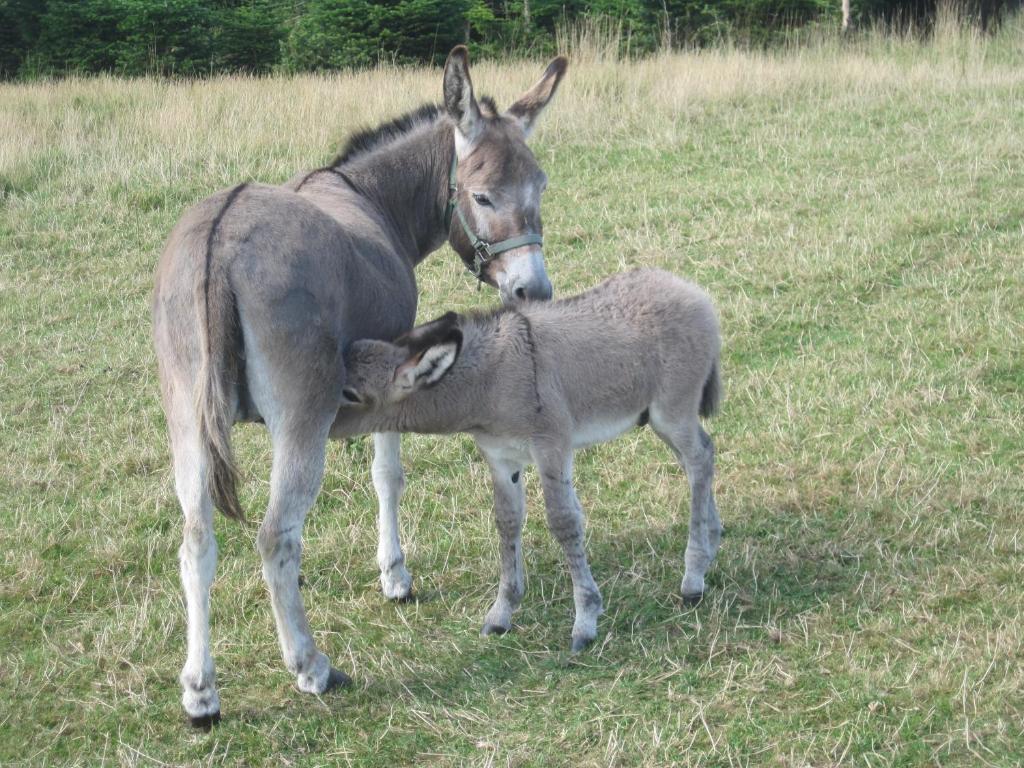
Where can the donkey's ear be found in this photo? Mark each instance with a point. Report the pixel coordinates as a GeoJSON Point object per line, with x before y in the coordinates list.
{"type": "Point", "coordinates": [459, 100]}
{"type": "Point", "coordinates": [422, 336]}
{"type": "Point", "coordinates": [529, 106]}
{"type": "Point", "coordinates": [428, 366]}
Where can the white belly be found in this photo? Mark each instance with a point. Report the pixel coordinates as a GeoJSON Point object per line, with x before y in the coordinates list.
{"type": "Point", "coordinates": [513, 451]}
{"type": "Point", "coordinates": [503, 449]}
{"type": "Point", "coordinates": [602, 431]}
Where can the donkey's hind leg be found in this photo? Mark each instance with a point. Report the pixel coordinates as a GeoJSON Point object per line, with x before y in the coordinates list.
{"type": "Point", "coordinates": [295, 478]}
{"type": "Point", "coordinates": [696, 454]}
{"type": "Point", "coordinates": [198, 557]}
{"type": "Point", "coordinates": [389, 482]}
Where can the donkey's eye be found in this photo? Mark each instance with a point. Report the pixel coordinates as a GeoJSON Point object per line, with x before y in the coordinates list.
{"type": "Point", "coordinates": [483, 200]}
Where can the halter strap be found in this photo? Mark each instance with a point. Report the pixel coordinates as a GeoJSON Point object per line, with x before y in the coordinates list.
{"type": "Point", "coordinates": [483, 251]}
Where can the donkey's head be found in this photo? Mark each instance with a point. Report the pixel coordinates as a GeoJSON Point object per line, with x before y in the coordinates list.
{"type": "Point", "coordinates": [380, 373]}
{"type": "Point", "coordinates": [494, 209]}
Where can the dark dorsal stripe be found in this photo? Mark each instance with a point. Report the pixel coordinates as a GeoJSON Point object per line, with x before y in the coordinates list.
{"type": "Point", "coordinates": [232, 196]}
{"type": "Point", "coordinates": [327, 169]}
{"type": "Point", "coordinates": [532, 349]}
{"type": "Point", "coordinates": [369, 139]}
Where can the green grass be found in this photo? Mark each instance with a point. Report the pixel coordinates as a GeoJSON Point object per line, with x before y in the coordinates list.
{"type": "Point", "coordinates": [858, 215]}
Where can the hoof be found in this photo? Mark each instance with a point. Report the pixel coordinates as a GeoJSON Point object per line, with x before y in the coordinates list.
{"type": "Point", "coordinates": [493, 629]}
{"type": "Point", "coordinates": [337, 679]}
{"type": "Point", "coordinates": [396, 582]}
{"type": "Point", "coordinates": [581, 643]}
{"type": "Point", "coordinates": [400, 597]}
{"type": "Point", "coordinates": [205, 722]}
{"type": "Point", "coordinates": [398, 593]}
{"type": "Point", "coordinates": [693, 600]}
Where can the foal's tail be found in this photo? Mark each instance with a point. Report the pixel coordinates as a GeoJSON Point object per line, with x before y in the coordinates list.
{"type": "Point", "coordinates": [217, 382]}
{"type": "Point", "coordinates": [711, 396]}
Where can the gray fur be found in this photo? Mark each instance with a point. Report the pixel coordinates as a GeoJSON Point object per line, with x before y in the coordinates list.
{"type": "Point", "coordinates": [534, 384]}
{"type": "Point", "coordinates": [258, 292]}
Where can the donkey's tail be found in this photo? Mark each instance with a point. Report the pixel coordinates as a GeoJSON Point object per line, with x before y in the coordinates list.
{"type": "Point", "coordinates": [217, 377]}
{"type": "Point", "coordinates": [711, 396]}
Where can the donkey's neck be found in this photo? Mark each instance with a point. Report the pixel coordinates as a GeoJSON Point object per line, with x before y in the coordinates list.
{"type": "Point", "coordinates": [407, 179]}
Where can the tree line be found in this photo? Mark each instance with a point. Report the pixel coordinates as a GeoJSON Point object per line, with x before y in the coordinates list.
{"type": "Point", "coordinates": [202, 37]}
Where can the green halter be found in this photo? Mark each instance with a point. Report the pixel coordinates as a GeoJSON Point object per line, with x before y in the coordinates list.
{"type": "Point", "coordinates": [483, 251]}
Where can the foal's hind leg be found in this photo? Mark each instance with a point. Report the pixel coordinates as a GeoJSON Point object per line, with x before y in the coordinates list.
{"type": "Point", "coordinates": [389, 482]}
{"type": "Point", "coordinates": [696, 453]}
{"type": "Point", "coordinates": [295, 479]}
{"type": "Point", "coordinates": [198, 557]}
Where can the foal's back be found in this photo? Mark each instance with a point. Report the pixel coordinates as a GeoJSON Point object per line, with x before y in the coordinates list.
{"type": "Point", "coordinates": [637, 338]}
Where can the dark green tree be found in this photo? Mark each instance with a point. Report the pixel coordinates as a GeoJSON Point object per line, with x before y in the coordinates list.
{"type": "Point", "coordinates": [248, 35]}
{"type": "Point", "coordinates": [339, 34]}
{"type": "Point", "coordinates": [79, 36]}
{"type": "Point", "coordinates": [19, 34]}
{"type": "Point", "coordinates": [169, 37]}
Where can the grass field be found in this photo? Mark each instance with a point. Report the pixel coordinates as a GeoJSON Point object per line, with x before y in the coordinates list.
{"type": "Point", "coordinates": [857, 212]}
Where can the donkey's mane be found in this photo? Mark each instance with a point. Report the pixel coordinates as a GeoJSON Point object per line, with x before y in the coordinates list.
{"type": "Point", "coordinates": [369, 139]}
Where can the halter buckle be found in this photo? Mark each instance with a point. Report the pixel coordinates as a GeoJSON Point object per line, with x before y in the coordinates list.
{"type": "Point", "coordinates": [481, 256]}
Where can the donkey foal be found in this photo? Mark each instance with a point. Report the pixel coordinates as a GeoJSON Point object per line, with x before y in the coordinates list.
{"type": "Point", "coordinates": [535, 384]}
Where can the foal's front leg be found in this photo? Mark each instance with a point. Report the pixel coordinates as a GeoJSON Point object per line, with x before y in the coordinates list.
{"type": "Point", "coordinates": [565, 520]}
{"type": "Point", "coordinates": [389, 482]}
{"type": "Point", "coordinates": [509, 513]}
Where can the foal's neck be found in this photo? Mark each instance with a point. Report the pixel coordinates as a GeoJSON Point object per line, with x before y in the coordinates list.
{"type": "Point", "coordinates": [407, 179]}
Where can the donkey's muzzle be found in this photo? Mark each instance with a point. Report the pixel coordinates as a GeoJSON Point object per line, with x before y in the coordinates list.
{"type": "Point", "coordinates": [523, 277]}
{"type": "Point", "coordinates": [535, 290]}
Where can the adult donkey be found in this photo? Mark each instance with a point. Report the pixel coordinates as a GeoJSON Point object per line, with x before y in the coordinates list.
{"type": "Point", "coordinates": [259, 291]}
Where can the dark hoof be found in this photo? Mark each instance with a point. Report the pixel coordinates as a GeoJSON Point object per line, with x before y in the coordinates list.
{"type": "Point", "coordinates": [337, 679]}
{"type": "Point", "coordinates": [408, 597]}
{"type": "Point", "coordinates": [493, 629]}
{"type": "Point", "coordinates": [205, 722]}
{"type": "Point", "coordinates": [581, 643]}
{"type": "Point", "coordinates": [692, 601]}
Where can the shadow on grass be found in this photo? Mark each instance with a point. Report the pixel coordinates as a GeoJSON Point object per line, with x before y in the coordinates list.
{"type": "Point", "coordinates": [760, 582]}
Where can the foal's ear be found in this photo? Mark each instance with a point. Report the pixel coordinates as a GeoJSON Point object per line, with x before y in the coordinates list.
{"type": "Point", "coordinates": [422, 336]}
{"type": "Point", "coordinates": [427, 366]}
{"type": "Point", "coordinates": [459, 100]}
{"type": "Point", "coordinates": [529, 106]}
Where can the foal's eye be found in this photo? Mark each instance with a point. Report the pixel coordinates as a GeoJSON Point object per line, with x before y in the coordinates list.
{"type": "Point", "coordinates": [483, 200]}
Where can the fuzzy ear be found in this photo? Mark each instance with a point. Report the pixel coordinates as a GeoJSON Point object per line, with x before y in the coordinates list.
{"type": "Point", "coordinates": [428, 366]}
{"type": "Point", "coordinates": [529, 106]}
{"type": "Point", "coordinates": [459, 100]}
{"type": "Point", "coordinates": [423, 336]}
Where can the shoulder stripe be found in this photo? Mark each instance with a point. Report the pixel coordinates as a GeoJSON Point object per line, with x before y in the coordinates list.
{"type": "Point", "coordinates": [329, 169]}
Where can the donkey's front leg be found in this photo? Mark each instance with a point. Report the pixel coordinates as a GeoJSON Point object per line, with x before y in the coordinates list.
{"type": "Point", "coordinates": [295, 479]}
{"type": "Point", "coordinates": [509, 513]}
{"type": "Point", "coordinates": [565, 520]}
{"type": "Point", "coordinates": [389, 482]}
